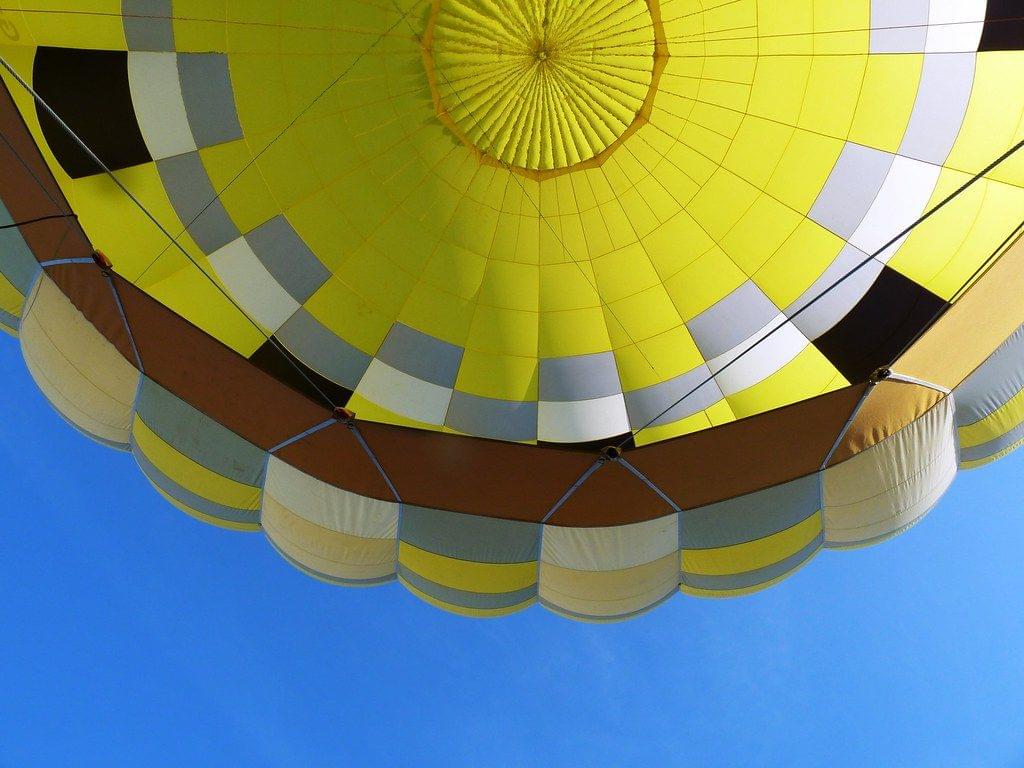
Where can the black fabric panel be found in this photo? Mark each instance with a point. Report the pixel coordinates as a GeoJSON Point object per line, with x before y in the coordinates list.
{"type": "Point", "coordinates": [893, 311]}
{"type": "Point", "coordinates": [285, 367]}
{"type": "Point", "coordinates": [1004, 26]}
{"type": "Point", "coordinates": [89, 91]}
{"type": "Point", "coordinates": [597, 446]}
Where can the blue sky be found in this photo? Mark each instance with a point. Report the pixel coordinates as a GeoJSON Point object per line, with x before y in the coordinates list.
{"type": "Point", "coordinates": [133, 635]}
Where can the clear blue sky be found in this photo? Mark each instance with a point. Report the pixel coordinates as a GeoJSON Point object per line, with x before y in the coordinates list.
{"type": "Point", "coordinates": [132, 635]}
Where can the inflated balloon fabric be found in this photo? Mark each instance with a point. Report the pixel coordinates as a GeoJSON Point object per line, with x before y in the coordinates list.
{"type": "Point", "coordinates": [519, 300]}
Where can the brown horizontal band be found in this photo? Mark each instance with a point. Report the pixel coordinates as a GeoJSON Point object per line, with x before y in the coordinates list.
{"type": "Point", "coordinates": [429, 469]}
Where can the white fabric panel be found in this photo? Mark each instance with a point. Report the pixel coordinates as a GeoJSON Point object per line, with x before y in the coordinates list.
{"type": "Point", "coordinates": [330, 507]}
{"type": "Point", "coordinates": [888, 487]}
{"type": "Point", "coordinates": [327, 554]}
{"type": "Point", "coordinates": [404, 394]}
{"type": "Point", "coordinates": [899, 203]}
{"type": "Point", "coordinates": [760, 362]}
{"type": "Point", "coordinates": [955, 26]}
{"type": "Point", "coordinates": [610, 548]}
{"type": "Point", "coordinates": [81, 373]}
{"type": "Point", "coordinates": [159, 106]}
{"type": "Point", "coordinates": [252, 285]}
{"type": "Point", "coordinates": [582, 420]}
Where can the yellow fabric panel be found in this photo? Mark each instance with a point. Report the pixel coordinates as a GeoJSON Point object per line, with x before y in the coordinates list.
{"type": "Point", "coordinates": [131, 239]}
{"type": "Point", "coordinates": [994, 457]}
{"type": "Point", "coordinates": [759, 234]}
{"type": "Point", "coordinates": [806, 375]}
{"type": "Point", "coordinates": [723, 593]}
{"type": "Point", "coordinates": [573, 332]}
{"type": "Point", "coordinates": [190, 474]}
{"type": "Point", "coordinates": [438, 313]}
{"type": "Point", "coordinates": [706, 206]}
{"type": "Point", "coordinates": [886, 100]}
{"type": "Point", "coordinates": [707, 279]}
{"type": "Point", "coordinates": [740, 558]}
{"type": "Point", "coordinates": [640, 317]}
{"type": "Point", "coordinates": [779, 86]}
{"type": "Point", "coordinates": [198, 27]}
{"type": "Point", "coordinates": [466, 575]}
{"type": "Point", "coordinates": [327, 552]}
{"type": "Point", "coordinates": [203, 517]}
{"type": "Point", "coordinates": [989, 128]}
{"type": "Point", "coordinates": [480, 613]}
{"type": "Point", "coordinates": [247, 200]}
{"type": "Point", "coordinates": [209, 309]}
{"type": "Point", "coordinates": [719, 413]}
{"type": "Point", "coordinates": [1005, 418]}
{"type": "Point", "coordinates": [503, 331]}
{"type": "Point", "coordinates": [831, 99]}
{"type": "Point", "coordinates": [503, 377]}
{"type": "Point", "coordinates": [794, 267]}
{"type": "Point", "coordinates": [10, 298]}
{"type": "Point", "coordinates": [655, 359]}
{"type": "Point", "coordinates": [347, 314]}
{"type": "Point", "coordinates": [803, 169]}
{"type": "Point", "coordinates": [96, 21]}
{"type": "Point", "coordinates": [366, 409]}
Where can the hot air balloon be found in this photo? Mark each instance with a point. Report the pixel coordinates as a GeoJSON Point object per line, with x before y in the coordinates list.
{"type": "Point", "coordinates": [557, 301]}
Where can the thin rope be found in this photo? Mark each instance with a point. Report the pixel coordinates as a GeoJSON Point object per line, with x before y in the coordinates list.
{"type": "Point", "coordinates": [38, 219]}
{"type": "Point", "coordinates": [790, 318]}
{"type": "Point", "coordinates": [565, 249]}
{"type": "Point", "coordinates": [106, 170]}
{"type": "Point", "coordinates": [281, 133]}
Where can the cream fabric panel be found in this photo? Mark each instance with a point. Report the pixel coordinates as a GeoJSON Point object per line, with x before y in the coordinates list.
{"type": "Point", "coordinates": [330, 507]}
{"type": "Point", "coordinates": [613, 547]}
{"type": "Point", "coordinates": [334, 534]}
{"type": "Point", "coordinates": [887, 488]}
{"type": "Point", "coordinates": [608, 595]}
{"type": "Point", "coordinates": [609, 572]}
{"type": "Point", "coordinates": [81, 373]}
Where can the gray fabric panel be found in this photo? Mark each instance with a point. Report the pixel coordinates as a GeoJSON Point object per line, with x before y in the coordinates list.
{"type": "Point", "coordinates": [601, 619]}
{"type": "Point", "coordinates": [730, 321]}
{"type": "Point", "coordinates": [421, 355]}
{"type": "Point", "coordinates": [148, 25]}
{"type": "Point", "coordinates": [488, 417]}
{"type": "Point", "coordinates": [942, 97]}
{"type": "Point", "coordinates": [995, 381]}
{"type": "Point", "coordinates": [278, 246]}
{"type": "Point", "coordinates": [209, 98]}
{"type": "Point", "coordinates": [190, 499]}
{"type": "Point", "coordinates": [469, 537]}
{"type": "Point", "coordinates": [993, 447]}
{"type": "Point", "coordinates": [199, 437]}
{"type": "Point", "coordinates": [321, 350]}
{"type": "Point", "coordinates": [189, 188]}
{"type": "Point", "coordinates": [752, 516]}
{"type": "Point", "coordinates": [101, 440]}
{"type": "Point", "coordinates": [579, 377]}
{"type": "Point", "coordinates": [642, 405]}
{"type": "Point", "coordinates": [899, 26]}
{"type": "Point", "coordinates": [9, 320]}
{"type": "Point", "coordinates": [17, 263]}
{"type": "Point", "coordinates": [328, 577]}
{"type": "Point", "coordinates": [833, 306]}
{"type": "Point", "coordinates": [850, 189]}
{"type": "Point", "coordinates": [757, 577]}
{"type": "Point", "coordinates": [478, 600]}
